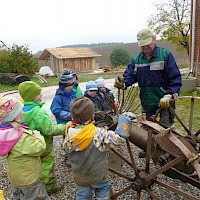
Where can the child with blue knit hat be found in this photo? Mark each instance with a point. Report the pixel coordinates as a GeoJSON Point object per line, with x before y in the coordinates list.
{"type": "Point", "coordinates": [37, 119]}
{"type": "Point", "coordinates": [61, 101]}
{"type": "Point", "coordinates": [76, 86]}
{"type": "Point", "coordinates": [22, 148]}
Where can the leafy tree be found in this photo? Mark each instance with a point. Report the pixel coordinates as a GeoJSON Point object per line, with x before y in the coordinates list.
{"type": "Point", "coordinates": [4, 61]}
{"type": "Point", "coordinates": [18, 59]}
{"type": "Point", "coordinates": [119, 56]}
{"type": "Point", "coordinates": [172, 22]}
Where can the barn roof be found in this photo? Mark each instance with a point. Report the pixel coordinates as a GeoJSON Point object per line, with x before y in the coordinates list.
{"type": "Point", "coordinates": [62, 53]}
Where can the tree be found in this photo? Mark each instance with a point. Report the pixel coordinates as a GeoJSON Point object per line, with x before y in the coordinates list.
{"type": "Point", "coordinates": [18, 59]}
{"type": "Point", "coordinates": [119, 56]}
{"type": "Point", "coordinates": [172, 22]}
{"type": "Point", "coordinates": [4, 61]}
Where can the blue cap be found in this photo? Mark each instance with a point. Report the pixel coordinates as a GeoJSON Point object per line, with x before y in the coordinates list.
{"type": "Point", "coordinates": [91, 85]}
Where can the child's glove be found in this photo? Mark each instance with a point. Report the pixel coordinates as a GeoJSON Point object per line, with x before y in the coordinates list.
{"type": "Point", "coordinates": [124, 126]}
{"type": "Point", "coordinates": [165, 101]}
{"type": "Point", "coordinates": [130, 115]}
{"type": "Point", "coordinates": [36, 133]}
{"type": "Point", "coordinates": [119, 83]}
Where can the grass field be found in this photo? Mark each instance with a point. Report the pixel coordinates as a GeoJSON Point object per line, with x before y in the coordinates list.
{"type": "Point", "coordinates": [53, 81]}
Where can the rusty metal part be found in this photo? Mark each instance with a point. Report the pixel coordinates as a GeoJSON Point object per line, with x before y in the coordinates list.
{"type": "Point", "coordinates": [143, 179]}
{"type": "Point", "coordinates": [173, 154]}
{"type": "Point", "coordinates": [138, 136]}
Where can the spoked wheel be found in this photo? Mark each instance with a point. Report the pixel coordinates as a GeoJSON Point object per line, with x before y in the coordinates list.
{"type": "Point", "coordinates": [173, 156]}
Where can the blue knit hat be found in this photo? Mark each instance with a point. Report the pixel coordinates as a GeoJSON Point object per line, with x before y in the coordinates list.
{"type": "Point", "coordinates": [66, 80]}
{"type": "Point", "coordinates": [91, 85]}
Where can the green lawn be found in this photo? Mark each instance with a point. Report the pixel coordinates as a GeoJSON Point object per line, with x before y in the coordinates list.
{"type": "Point", "coordinates": [53, 81]}
{"type": "Point", "coordinates": [182, 109]}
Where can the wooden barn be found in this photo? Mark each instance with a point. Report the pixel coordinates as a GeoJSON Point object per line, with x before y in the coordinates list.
{"type": "Point", "coordinates": [77, 59]}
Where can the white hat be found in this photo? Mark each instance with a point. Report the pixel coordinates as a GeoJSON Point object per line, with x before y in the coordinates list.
{"type": "Point", "coordinates": [100, 82]}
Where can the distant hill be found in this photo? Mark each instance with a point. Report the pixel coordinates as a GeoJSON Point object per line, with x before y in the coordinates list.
{"type": "Point", "coordinates": [133, 48]}
{"type": "Point", "coordinates": [92, 45]}
{"type": "Point", "coordinates": [105, 49]}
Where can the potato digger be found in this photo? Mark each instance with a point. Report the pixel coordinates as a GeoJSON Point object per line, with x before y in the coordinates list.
{"type": "Point", "coordinates": [173, 154]}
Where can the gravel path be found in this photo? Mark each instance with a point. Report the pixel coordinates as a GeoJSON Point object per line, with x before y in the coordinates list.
{"type": "Point", "coordinates": [63, 173]}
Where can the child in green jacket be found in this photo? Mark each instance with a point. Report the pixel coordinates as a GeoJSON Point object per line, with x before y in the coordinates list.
{"type": "Point", "coordinates": [37, 119]}
{"type": "Point", "coordinates": [22, 148]}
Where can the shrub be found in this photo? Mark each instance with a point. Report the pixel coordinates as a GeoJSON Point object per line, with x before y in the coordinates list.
{"type": "Point", "coordinates": [18, 60]}
{"type": "Point", "coordinates": [119, 57]}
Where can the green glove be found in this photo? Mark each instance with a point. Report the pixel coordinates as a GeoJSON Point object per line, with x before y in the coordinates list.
{"type": "Point", "coordinates": [165, 101]}
{"type": "Point", "coordinates": [119, 83]}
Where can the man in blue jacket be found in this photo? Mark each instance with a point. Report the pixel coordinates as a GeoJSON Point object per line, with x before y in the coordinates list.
{"type": "Point", "coordinates": [157, 74]}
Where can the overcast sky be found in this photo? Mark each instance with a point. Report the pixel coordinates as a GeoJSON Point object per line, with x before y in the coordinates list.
{"type": "Point", "coordinates": [44, 24]}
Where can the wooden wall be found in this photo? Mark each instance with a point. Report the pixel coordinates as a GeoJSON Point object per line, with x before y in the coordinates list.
{"type": "Point", "coordinates": [76, 64]}
{"type": "Point", "coordinates": [79, 64]}
{"type": "Point", "coordinates": [196, 40]}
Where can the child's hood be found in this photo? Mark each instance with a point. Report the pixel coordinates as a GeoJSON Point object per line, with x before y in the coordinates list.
{"type": "Point", "coordinates": [63, 92]}
{"type": "Point", "coordinates": [79, 139]}
{"type": "Point", "coordinates": [8, 138]}
{"type": "Point", "coordinates": [30, 110]}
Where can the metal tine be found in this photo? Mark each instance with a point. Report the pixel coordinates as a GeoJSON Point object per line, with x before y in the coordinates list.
{"type": "Point", "coordinates": [128, 95]}
{"type": "Point", "coordinates": [135, 108]}
{"type": "Point", "coordinates": [131, 104]}
{"type": "Point", "coordinates": [131, 101]}
{"type": "Point", "coordinates": [122, 102]}
{"type": "Point", "coordinates": [127, 99]}
{"type": "Point", "coordinates": [119, 101]}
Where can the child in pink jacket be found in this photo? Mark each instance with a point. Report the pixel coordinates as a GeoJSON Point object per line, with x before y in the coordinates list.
{"type": "Point", "coordinates": [22, 148]}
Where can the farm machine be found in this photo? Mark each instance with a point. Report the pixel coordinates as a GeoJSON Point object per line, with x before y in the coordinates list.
{"type": "Point", "coordinates": [172, 153]}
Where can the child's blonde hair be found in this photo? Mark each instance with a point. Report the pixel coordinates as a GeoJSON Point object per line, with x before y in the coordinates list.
{"type": "Point", "coordinates": [15, 125]}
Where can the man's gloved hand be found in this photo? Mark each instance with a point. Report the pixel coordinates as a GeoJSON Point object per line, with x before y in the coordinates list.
{"type": "Point", "coordinates": [123, 126]}
{"type": "Point", "coordinates": [119, 83]}
{"type": "Point", "coordinates": [165, 101]}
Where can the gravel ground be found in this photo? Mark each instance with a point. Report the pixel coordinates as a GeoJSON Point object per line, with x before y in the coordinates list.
{"type": "Point", "coordinates": [63, 173]}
